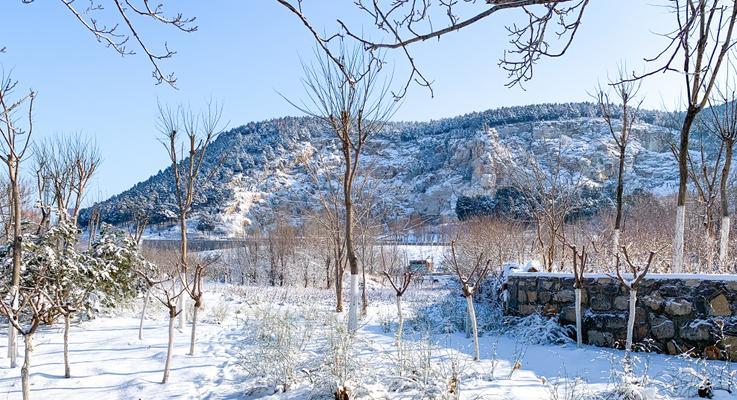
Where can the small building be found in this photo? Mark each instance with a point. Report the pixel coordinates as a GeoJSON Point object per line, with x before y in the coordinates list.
{"type": "Point", "coordinates": [421, 266]}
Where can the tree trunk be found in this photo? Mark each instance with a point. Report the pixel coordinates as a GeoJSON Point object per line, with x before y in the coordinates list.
{"type": "Point", "coordinates": [181, 305]}
{"type": "Point", "coordinates": [678, 239]}
{"type": "Point", "coordinates": [12, 332]}
{"type": "Point", "coordinates": [328, 278]}
{"type": "Point", "coordinates": [467, 324]}
{"type": "Point", "coordinates": [143, 314]}
{"type": "Point", "coordinates": [400, 316]}
{"type": "Point", "coordinates": [350, 251]}
{"type": "Point", "coordinates": [364, 298]}
{"type": "Point", "coordinates": [615, 241]}
{"type": "Point", "coordinates": [338, 287]}
{"type": "Point", "coordinates": [353, 305]}
{"type": "Point", "coordinates": [169, 346]}
{"type": "Point", "coordinates": [682, 187]}
{"type": "Point", "coordinates": [25, 375]}
{"type": "Point", "coordinates": [620, 192]}
{"type": "Point", "coordinates": [193, 336]}
{"type": "Point", "coordinates": [631, 319]}
{"type": "Point", "coordinates": [474, 326]}
{"type": "Point", "coordinates": [724, 205]}
{"type": "Point", "coordinates": [17, 249]}
{"type": "Point", "coordinates": [67, 325]}
{"type": "Point", "coordinates": [711, 243]}
{"type": "Point", "coordinates": [579, 330]}
{"type": "Point", "coordinates": [724, 243]}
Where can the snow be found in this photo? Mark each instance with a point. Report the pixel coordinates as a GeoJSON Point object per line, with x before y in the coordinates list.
{"type": "Point", "coordinates": [704, 277]}
{"type": "Point", "coordinates": [109, 362]}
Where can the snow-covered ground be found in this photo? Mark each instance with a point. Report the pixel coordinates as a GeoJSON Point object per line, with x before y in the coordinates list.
{"type": "Point", "coordinates": [109, 362]}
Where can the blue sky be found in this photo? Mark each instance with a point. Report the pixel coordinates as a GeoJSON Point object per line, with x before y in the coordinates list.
{"type": "Point", "coordinates": [246, 51]}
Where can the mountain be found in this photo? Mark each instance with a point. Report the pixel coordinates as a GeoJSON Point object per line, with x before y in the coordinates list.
{"type": "Point", "coordinates": [416, 168]}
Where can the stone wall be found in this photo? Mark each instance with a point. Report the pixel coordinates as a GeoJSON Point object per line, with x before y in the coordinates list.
{"type": "Point", "coordinates": [674, 313]}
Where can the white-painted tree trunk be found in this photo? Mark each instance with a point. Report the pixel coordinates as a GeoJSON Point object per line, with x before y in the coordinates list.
{"type": "Point", "coordinates": [401, 322]}
{"type": "Point", "coordinates": [12, 332]}
{"type": "Point", "coordinates": [193, 336]}
{"type": "Point", "coordinates": [143, 314]}
{"type": "Point", "coordinates": [181, 305]}
{"type": "Point", "coordinates": [678, 240]}
{"type": "Point", "coordinates": [353, 307]}
{"type": "Point", "coordinates": [724, 243]}
{"type": "Point", "coordinates": [472, 315]}
{"type": "Point", "coordinates": [467, 325]}
{"type": "Point", "coordinates": [67, 326]}
{"type": "Point", "coordinates": [169, 350]}
{"type": "Point", "coordinates": [631, 319]}
{"type": "Point", "coordinates": [579, 330]}
{"type": "Point", "coordinates": [25, 371]}
{"type": "Point", "coordinates": [710, 248]}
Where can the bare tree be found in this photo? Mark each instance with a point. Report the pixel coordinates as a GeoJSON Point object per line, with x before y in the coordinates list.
{"type": "Point", "coordinates": [701, 42]}
{"type": "Point", "coordinates": [280, 248]}
{"type": "Point", "coordinates": [194, 133]}
{"type": "Point", "coordinates": [723, 124]}
{"type": "Point", "coordinates": [330, 216]}
{"type": "Point", "coordinates": [704, 173]}
{"type": "Point", "coordinates": [400, 279]}
{"type": "Point", "coordinates": [167, 292]}
{"type": "Point", "coordinates": [349, 98]}
{"type": "Point", "coordinates": [124, 26]}
{"type": "Point", "coordinates": [16, 140]}
{"type": "Point", "coordinates": [470, 277]}
{"type": "Point", "coordinates": [579, 268]}
{"type": "Point", "coordinates": [35, 306]}
{"type": "Point", "coordinates": [625, 93]}
{"type": "Point", "coordinates": [551, 195]}
{"type": "Point", "coordinates": [65, 166]}
{"type": "Point", "coordinates": [638, 273]}
{"type": "Point", "coordinates": [406, 23]}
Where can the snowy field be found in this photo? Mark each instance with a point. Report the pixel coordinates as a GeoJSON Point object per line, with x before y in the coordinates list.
{"type": "Point", "coordinates": [288, 344]}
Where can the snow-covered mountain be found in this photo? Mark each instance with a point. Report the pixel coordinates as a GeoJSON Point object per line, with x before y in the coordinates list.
{"type": "Point", "coordinates": [417, 168]}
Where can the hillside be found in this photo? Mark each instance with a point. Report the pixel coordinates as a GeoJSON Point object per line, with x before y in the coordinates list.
{"type": "Point", "coordinates": [417, 168]}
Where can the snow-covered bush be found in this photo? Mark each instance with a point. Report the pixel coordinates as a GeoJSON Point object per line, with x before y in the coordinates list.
{"type": "Point", "coordinates": [426, 371]}
{"type": "Point", "coordinates": [220, 311]}
{"type": "Point", "coordinates": [537, 329]}
{"type": "Point", "coordinates": [629, 379]}
{"type": "Point", "coordinates": [340, 372]}
{"type": "Point", "coordinates": [448, 315]}
{"type": "Point", "coordinates": [698, 378]}
{"type": "Point", "coordinates": [563, 388]}
{"type": "Point", "coordinates": [279, 338]}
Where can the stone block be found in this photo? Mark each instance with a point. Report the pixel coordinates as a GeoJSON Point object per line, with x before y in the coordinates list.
{"type": "Point", "coordinates": [663, 328]}
{"type": "Point", "coordinates": [730, 347]}
{"type": "Point", "coordinates": [568, 314]}
{"type": "Point", "coordinates": [654, 301]}
{"type": "Point", "coordinates": [678, 307]}
{"type": "Point", "coordinates": [532, 297]}
{"type": "Point", "coordinates": [719, 306]}
{"type": "Point", "coordinates": [622, 303]}
{"type": "Point", "coordinates": [600, 303]}
{"type": "Point", "coordinates": [616, 322]}
{"type": "Point", "coordinates": [564, 296]}
{"type": "Point", "coordinates": [544, 297]}
{"type": "Point", "coordinates": [598, 338]}
{"type": "Point", "coordinates": [696, 331]}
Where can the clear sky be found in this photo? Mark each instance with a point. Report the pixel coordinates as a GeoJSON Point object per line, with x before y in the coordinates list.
{"type": "Point", "coordinates": [246, 51]}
